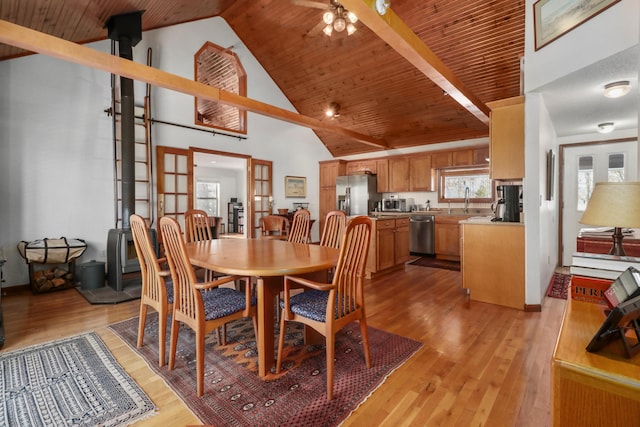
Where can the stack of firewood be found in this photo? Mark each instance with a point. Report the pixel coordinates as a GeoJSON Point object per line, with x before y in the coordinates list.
{"type": "Point", "coordinates": [50, 279]}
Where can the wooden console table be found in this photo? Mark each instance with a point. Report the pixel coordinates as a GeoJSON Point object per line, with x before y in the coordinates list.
{"type": "Point", "coordinates": [602, 245]}
{"type": "Point", "coordinates": [592, 389]}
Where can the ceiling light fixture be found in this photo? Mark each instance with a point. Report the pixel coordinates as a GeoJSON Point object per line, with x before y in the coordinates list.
{"type": "Point", "coordinates": [333, 110]}
{"type": "Point", "coordinates": [339, 19]}
{"type": "Point", "coordinates": [606, 127]}
{"type": "Point", "coordinates": [617, 89]}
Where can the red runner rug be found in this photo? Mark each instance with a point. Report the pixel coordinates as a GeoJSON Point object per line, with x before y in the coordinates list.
{"type": "Point", "coordinates": [234, 394]}
{"type": "Point", "coordinates": [433, 262]}
{"type": "Point", "coordinates": [559, 286]}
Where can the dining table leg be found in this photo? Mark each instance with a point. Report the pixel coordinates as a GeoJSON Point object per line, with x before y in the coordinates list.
{"type": "Point", "coordinates": [268, 288]}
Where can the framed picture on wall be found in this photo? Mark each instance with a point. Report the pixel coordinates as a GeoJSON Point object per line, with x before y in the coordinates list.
{"type": "Point", "coordinates": [295, 186]}
{"type": "Point", "coordinates": [554, 18]}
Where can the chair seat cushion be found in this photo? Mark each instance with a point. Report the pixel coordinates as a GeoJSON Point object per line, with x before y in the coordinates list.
{"type": "Point", "coordinates": [220, 302]}
{"type": "Point", "coordinates": [169, 285]}
{"type": "Point", "coordinates": [311, 304]}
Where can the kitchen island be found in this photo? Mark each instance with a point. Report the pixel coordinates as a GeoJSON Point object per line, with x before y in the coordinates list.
{"type": "Point", "coordinates": [492, 261]}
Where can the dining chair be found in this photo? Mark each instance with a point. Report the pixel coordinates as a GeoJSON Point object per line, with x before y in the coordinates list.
{"type": "Point", "coordinates": [202, 311]}
{"type": "Point", "coordinates": [328, 307]}
{"type": "Point", "coordinates": [274, 226]}
{"type": "Point", "coordinates": [334, 225]}
{"type": "Point", "coordinates": [157, 288]}
{"type": "Point", "coordinates": [299, 231]}
{"type": "Point", "coordinates": [197, 227]}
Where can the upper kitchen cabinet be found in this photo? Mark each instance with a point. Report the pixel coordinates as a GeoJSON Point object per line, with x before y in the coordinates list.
{"type": "Point", "coordinates": [441, 159]}
{"type": "Point", "coordinates": [361, 166]}
{"type": "Point", "coordinates": [462, 158]}
{"type": "Point", "coordinates": [398, 174]}
{"type": "Point", "coordinates": [506, 138]}
{"type": "Point", "coordinates": [330, 170]}
{"type": "Point", "coordinates": [420, 173]}
{"type": "Point", "coordinates": [481, 156]}
{"type": "Point", "coordinates": [382, 172]}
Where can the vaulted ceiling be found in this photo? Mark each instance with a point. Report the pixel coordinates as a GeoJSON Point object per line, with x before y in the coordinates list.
{"type": "Point", "coordinates": [381, 94]}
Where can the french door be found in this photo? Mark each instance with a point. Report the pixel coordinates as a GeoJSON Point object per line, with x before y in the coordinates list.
{"type": "Point", "coordinates": [583, 166]}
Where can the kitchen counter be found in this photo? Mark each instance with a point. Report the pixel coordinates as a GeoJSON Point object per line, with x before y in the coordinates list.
{"type": "Point", "coordinates": [486, 220]}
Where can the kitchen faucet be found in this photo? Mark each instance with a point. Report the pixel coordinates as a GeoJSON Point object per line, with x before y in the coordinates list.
{"type": "Point", "coordinates": [466, 200]}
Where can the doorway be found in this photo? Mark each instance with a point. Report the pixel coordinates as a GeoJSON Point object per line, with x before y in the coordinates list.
{"type": "Point", "coordinates": [583, 166]}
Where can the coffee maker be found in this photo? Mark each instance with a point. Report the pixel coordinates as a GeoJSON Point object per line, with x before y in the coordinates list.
{"type": "Point", "coordinates": [508, 205]}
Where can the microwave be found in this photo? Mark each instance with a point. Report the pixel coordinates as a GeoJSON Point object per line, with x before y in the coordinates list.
{"type": "Point", "coordinates": [394, 205]}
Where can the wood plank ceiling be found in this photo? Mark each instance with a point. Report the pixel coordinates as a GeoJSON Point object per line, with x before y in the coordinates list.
{"type": "Point", "coordinates": [379, 92]}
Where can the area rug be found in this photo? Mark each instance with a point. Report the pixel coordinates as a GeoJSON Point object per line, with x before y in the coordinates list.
{"type": "Point", "coordinates": [433, 262]}
{"type": "Point", "coordinates": [234, 394]}
{"type": "Point", "coordinates": [70, 382]}
{"type": "Point", "coordinates": [559, 286]}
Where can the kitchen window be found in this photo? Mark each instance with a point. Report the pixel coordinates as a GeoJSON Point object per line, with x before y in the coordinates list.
{"type": "Point", "coordinates": [453, 182]}
{"type": "Point", "coordinates": [207, 195]}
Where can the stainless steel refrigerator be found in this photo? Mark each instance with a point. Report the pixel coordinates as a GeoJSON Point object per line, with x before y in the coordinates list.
{"type": "Point", "coordinates": [357, 194]}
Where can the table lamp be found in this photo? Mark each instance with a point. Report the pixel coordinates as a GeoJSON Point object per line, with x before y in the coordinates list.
{"type": "Point", "coordinates": [614, 204]}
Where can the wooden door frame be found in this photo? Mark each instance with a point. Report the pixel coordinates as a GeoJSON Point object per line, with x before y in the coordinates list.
{"type": "Point", "coordinates": [251, 188]}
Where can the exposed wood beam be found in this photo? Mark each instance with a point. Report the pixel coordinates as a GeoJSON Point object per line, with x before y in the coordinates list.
{"type": "Point", "coordinates": [25, 38]}
{"type": "Point", "coordinates": [402, 39]}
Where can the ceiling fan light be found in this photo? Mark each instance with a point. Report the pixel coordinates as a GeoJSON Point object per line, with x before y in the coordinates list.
{"type": "Point", "coordinates": [617, 89]}
{"type": "Point", "coordinates": [328, 17]}
{"type": "Point", "coordinates": [328, 30]}
{"type": "Point", "coordinates": [339, 24]}
{"type": "Point", "coordinates": [352, 17]}
{"type": "Point", "coordinates": [606, 127]}
{"type": "Point", "coordinates": [350, 29]}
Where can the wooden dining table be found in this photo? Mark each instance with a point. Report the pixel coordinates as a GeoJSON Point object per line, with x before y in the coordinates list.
{"type": "Point", "coordinates": [268, 260]}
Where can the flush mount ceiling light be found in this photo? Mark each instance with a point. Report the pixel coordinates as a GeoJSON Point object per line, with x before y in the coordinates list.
{"type": "Point", "coordinates": [606, 127]}
{"type": "Point", "coordinates": [338, 18]}
{"type": "Point", "coordinates": [333, 110]}
{"type": "Point", "coordinates": [617, 89]}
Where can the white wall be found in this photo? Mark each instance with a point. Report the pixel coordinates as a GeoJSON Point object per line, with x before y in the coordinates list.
{"type": "Point", "coordinates": [56, 141]}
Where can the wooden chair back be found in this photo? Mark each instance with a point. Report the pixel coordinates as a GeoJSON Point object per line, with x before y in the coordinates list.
{"type": "Point", "coordinates": [348, 278]}
{"type": "Point", "coordinates": [299, 231]}
{"type": "Point", "coordinates": [273, 225]}
{"type": "Point", "coordinates": [197, 227]}
{"type": "Point", "coordinates": [155, 291]}
{"type": "Point", "coordinates": [334, 225]}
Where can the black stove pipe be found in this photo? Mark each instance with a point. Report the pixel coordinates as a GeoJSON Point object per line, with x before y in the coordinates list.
{"type": "Point", "coordinates": [126, 29]}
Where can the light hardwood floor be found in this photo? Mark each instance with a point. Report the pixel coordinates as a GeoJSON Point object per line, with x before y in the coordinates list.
{"type": "Point", "coordinates": [481, 364]}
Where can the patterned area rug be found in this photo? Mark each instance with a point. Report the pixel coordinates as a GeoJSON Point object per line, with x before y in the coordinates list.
{"type": "Point", "coordinates": [559, 286]}
{"type": "Point", "coordinates": [234, 394]}
{"type": "Point", "coordinates": [433, 262]}
{"type": "Point", "coordinates": [70, 382]}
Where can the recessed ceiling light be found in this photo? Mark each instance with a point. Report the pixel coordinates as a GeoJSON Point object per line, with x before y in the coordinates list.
{"type": "Point", "coordinates": [606, 127]}
{"type": "Point", "coordinates": [333, 110]}
{"type": "Point", "coordinates": [617, 89]}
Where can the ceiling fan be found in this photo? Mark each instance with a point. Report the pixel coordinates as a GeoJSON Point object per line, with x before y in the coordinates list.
{"type": "Point", "coordinates": [335, 17]}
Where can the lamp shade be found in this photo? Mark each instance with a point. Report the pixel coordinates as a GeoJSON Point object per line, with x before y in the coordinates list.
{"type": "Point", "coordinates": [614, 204]}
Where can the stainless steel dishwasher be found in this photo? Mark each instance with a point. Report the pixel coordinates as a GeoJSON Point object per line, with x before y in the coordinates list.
{"type": "Point", "coordinates": [422, 235]}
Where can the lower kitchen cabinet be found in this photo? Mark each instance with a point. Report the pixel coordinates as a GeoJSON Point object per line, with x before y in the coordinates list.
{"type": "Point", "coordinates": [389, 248]}
{"type": "Point", "coordinates": [493, 263]}
{"type": "Point", "coordinates": [447, 236]}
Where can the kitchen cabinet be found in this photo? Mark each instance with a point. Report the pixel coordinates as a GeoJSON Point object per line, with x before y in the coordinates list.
{"type": "Point", "coordinates": [441, 159]}
{"type": "Point", "coordinates": [361, 166]}
{"type": "Point", "coordinates": [420, 173]}
{"type": "Point", "coordinates": [480, 156]}
{"type": "Point", "coordinates": [329, 171]}
{"type": "Point", "coordinates": [506, 138]}
{"type": "Point", "coordinates": [382, 173]}
{"type": "Point", "coordinates": [389, 248]}
{"type": "Point", "coordinates": [447, 236]}
{"type": "Point", "coordinates": [493, 263]}
{"type": "Point", "coordinates": [398, 174]}
{"type": "Point", "coordinates": [462, 157]}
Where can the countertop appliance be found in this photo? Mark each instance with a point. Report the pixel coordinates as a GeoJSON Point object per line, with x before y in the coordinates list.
{"type": "Point", "coordinates": [394, 205]}
{"type": "Point", "coordinates": [422, 235]}
{"type": "Point", "coordinates": [508, 205]}
{"type": "Point", "coordinates": [357, 194]}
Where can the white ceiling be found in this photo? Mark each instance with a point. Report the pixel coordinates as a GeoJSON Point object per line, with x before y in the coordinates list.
{"type": "Point", "coordinates": [576, 102]}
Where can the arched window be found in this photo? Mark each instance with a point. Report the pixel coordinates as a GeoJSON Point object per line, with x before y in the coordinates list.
{"type": "Point", "coordinates": [220, 68]}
